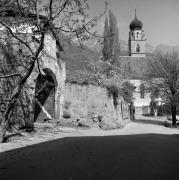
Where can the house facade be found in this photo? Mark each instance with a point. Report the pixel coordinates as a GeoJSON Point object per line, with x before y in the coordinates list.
{"type": "Point", "coordinates": [141, 97]}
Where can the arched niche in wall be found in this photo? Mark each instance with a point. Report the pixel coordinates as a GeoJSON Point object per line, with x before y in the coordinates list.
{"type": "Point", "coordinates": [44, 107]}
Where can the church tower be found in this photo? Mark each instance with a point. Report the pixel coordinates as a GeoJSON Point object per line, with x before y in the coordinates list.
{"type": "Point", "coordinates": [137, 38]}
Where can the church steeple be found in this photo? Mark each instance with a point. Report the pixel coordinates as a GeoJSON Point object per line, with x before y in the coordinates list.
{"type": "Point", "coordinates": [136, 38]}
{"type": "Point", "coordinates": [135, 23]}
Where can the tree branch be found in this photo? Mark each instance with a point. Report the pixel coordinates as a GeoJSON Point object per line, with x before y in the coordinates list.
{"type": "Point", "coordinates": [59, 46]}
{"type": "Point", "coordinates": [50, 8]}
{"type": "Point", "coordinates": [62, 8]}
{"type": "Point", "coordinates": [11, 75]}
{"type": "Point", "coordinates": [19, 7]}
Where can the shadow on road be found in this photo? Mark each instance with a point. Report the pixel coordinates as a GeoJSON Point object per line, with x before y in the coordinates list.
{"type": "Point", "coordinates": [146, 156]}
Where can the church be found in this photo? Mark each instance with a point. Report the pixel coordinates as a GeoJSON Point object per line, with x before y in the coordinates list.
{"type": "Point", "coordinates": [134, 65]}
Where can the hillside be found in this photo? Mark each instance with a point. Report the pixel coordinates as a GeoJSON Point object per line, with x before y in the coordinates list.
{"type": "Point", "coordinates": [95, 44]}
{"type": "Point", "coordinates": [77, 58]}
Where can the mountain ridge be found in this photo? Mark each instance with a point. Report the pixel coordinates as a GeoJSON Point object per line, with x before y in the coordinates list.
{"type": "Point", "coordinates": [164, 48]}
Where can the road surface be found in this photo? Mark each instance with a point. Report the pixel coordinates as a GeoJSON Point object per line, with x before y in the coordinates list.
{"type": "Point", "coordinates": [143, 151]}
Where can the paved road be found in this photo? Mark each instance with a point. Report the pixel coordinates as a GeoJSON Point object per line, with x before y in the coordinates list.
{"type": "Point", "coordinates": [120, 157]}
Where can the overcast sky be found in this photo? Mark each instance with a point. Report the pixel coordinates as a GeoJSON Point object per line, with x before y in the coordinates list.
{"type": "Point", "coordinates": [160, 18]}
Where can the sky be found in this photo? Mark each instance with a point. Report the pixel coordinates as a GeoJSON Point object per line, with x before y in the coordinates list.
{"type": "Point", "coordinates": [160, 18]}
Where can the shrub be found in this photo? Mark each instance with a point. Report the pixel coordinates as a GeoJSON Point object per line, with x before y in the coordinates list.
{"type": "Point", "coordinates": [127, 91]}
{"type": "Point", "coordinates": [99, 73]}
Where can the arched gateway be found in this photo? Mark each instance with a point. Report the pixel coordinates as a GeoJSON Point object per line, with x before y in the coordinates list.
{"type": "Point", "coordinates": [47, 88]}
{"type": "Point", "coordinates": [44, 107]}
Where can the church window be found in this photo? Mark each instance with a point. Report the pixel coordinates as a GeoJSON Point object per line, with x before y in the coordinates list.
{"type": "Point", "coordinates": [137, 35]}
{"type": "Point", "coordinates": [137, 48]}
{"type": "Point", "coordinates": [132, 35]}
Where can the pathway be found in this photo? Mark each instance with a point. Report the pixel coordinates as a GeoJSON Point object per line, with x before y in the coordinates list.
{"type": "Point", "coordinates": [142, 150]}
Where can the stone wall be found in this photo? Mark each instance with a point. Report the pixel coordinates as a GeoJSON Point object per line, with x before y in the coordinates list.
{"type": "Point", "coordinates": [51, 65]}
{"type": "Point", "coordinates": [90, 105]}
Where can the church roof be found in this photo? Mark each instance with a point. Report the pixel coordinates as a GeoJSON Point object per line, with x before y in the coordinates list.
{"type": "Point", "coordinates": [135, 23]}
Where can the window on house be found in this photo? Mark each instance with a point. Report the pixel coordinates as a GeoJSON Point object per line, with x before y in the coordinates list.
{"type": "Point", "coordinates": [137, 48]}
{"type": "Point", "coordinates": [142, 91]}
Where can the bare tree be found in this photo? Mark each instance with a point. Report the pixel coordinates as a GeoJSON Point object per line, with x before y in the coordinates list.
{"type": "Point", "coordinates": [164, 69]}
{"type": "Point", "coordinates": [16, 16]}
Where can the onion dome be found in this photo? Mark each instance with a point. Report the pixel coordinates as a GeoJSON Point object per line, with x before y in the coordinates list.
{"type": "Point", "coordinates": [136, 24]}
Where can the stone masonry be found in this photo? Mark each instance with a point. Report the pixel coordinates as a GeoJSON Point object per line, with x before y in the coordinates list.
{"type": "Point", "coordinates": [52, 66]}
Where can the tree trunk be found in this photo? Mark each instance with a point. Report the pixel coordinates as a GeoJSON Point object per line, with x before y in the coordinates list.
{"type": "Point", "coordinates": [10, 106]}
{"type": "Point", "coordinates": [174, 112]}
{"type": "Point", "coordinates": [2, 131]}
{"type": "Point", "coordinates": [132, 111]}
{"type": "Point", "coordinates": [17, 91]}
